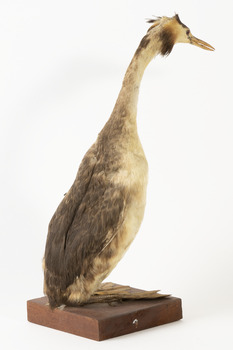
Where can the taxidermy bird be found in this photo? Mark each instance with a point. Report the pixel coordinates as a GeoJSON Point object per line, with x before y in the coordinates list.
{"type": "Point", "coordinates": [100, 215]}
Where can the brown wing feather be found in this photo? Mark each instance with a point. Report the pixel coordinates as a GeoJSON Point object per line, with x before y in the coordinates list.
{"type": "Point", "coordinates": [83, 224]}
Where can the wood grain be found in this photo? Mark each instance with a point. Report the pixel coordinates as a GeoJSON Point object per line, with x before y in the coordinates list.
{"type": "Point", "coordinates": [100, 321]}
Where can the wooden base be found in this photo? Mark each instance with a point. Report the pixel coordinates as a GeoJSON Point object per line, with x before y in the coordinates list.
{"type": "Point", "coordinates": [101, 321]}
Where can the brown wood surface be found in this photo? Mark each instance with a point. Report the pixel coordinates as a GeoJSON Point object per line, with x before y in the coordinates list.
{"type": "Point", "coordinates": [101, 321]}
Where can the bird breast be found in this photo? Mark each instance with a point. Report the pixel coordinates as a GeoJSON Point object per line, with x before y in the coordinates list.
{"type": "Point", "coordinates": [132, 176]}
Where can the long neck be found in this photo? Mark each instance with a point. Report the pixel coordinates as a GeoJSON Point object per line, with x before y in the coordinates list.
{"type": "Point", "coordinates": [121, 128]}
{"type": "Point", "coordinates": [126, 104]}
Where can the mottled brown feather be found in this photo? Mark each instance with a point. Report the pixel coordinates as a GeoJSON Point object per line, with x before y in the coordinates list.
{"type": "Point", "coordinates": [85, 221]}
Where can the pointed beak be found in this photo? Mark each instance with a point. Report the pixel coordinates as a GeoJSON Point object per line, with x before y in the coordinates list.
{"type": "Point", "coordinates": [202, 44]}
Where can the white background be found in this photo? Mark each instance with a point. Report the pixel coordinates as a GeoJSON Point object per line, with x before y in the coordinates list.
{"type": "Point", "coordinates": [62, 63]}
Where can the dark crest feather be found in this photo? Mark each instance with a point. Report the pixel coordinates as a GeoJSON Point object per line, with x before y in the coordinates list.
{"type": "Point", "coordinates": [179, 21]}
{"type": "Point", "coordinates": [152, 20]}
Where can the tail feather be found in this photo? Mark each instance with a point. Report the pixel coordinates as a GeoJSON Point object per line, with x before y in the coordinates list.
{"type": "Point", "coordinates": [56, 295]}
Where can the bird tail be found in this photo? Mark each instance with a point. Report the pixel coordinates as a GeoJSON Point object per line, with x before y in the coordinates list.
{"type": "Point", "coordinates": [56, 296]}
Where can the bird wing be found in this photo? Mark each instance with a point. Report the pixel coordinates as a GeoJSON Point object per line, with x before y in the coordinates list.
{"type": "Point", "coordinates": [84, 224]}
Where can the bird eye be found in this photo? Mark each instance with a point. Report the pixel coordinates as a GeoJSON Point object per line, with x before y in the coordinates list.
{"type": "Point", "coordinates": [188, 32]}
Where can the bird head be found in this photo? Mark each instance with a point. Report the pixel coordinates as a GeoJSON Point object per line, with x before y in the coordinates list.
{"type": "Point", "coordinates": [172, 31]}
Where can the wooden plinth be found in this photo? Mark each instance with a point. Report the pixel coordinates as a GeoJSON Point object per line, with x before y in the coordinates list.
{"type": "Point", "coordinates": [102, 321]}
